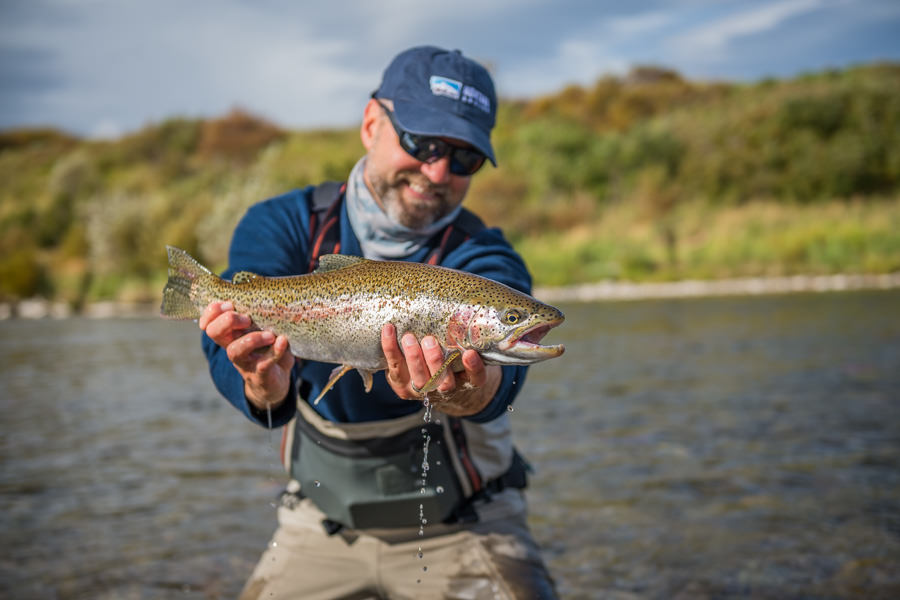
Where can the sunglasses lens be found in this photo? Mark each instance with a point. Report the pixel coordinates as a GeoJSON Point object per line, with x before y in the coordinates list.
{"type": "Point", "coordinates": [432, 149]}
{"type": "Point", "coordinates": [465, 162]}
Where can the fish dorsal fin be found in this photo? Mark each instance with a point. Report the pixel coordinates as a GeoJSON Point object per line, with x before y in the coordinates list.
{"type": "Point", "coordinates": [334, 262]}
{"type": "Point", "coordinates": [243, 277]}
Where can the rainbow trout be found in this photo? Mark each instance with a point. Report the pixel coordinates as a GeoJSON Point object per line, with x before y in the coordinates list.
{"type": "Point", "coordinates": [335, 314]}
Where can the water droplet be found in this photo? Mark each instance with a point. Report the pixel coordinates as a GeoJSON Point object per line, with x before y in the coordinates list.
{"type": "Point", "coordinates": [418, 581]}
{"type": "Point", "coordinates": [510, 408]}
{"type": "Point", "coordinates": [317, 483]}
{"type": "Point", "coordinates": [439, 489]}
{"type": "Point", "coordinates": [420, 554]}
{"type": "Point", "coordinates": [273, 545]}
{"type": "Point", "coordinates": [424, 568]}
{"type": "Point", "coordinates": [437, 462]}
{"type": "Point", "coordinates": [421, 490]}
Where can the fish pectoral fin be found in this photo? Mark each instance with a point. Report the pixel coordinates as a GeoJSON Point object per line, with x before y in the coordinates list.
{"type": "Point", "coordinates": [367, 378]}
{"type": "Point", "coordinates": [335, 375]}
{"type": "Point", "coordinates": [435, 379]}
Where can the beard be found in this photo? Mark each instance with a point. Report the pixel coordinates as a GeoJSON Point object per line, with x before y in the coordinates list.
{"type": "Point", "coordinates": [435, 202]}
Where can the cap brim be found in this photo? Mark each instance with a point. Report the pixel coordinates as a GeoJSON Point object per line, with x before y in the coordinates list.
{"type": "Point", "coordinates": [413, 117]}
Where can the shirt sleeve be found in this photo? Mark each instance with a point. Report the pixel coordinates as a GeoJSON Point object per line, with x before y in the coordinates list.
{"type": "Point", "coordinates": [269, 240]}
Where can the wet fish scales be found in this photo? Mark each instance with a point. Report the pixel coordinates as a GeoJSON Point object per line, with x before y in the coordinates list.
{"type": "Point", "coordinates": [336, 313]}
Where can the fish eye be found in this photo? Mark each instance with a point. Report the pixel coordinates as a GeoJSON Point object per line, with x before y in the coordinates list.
{"type": "Point", "coordinates": [512, 317]}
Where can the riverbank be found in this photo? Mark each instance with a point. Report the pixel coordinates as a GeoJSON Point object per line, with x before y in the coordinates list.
{"type": "Point", "coordinates": [749, 286]}
{"type": "Point", "coordinates": [39, 308]}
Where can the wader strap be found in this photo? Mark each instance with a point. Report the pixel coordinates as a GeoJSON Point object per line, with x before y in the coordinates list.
{"type": "Point", "coordinates": [462, 452]}
{"type": "Point", "coordinates": [465, 226]}
{"type": "Point", "coordinates": [324, 221]}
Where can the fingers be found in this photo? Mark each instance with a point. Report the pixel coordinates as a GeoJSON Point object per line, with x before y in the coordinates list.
{"type": "Point", "coordinates": [267, 357]}
{"type": "Point", "coordinates": [274, 366]}
{"type": "Point", "coordinates": [434, 357]}
{"type": "Point", "coordinates": [222, 324]}
{"type": "Point", "coordinates": [242, 351]}
{"type": "Point", "coordinates": [213, 310]}
{"type": "Point", "coordinates": [263, 360]}
{"type": "Point", "coordinates": [283, 356]}
{"type": "Point", "coordinates": [267, 374]}
{"type": "Point", "coordinates": [475, 371]}
{"type": "Point", "coordinates": [397, 372]}
{"type": "Point", "coordinates": [415, 361]}
{"type": "Point", "coordinates": [395, 362]}
{"type": "Point", "coordinates": [413, 365]}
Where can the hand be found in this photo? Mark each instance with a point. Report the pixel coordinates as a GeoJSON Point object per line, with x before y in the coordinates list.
{"type": "Point", "coordinates": [457, 394]}
{"type": "Point", "coordinates": [262, 359]}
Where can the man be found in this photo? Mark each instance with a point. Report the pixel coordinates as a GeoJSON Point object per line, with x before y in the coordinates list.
{"type": "Point", "coordinates": [381, 503]}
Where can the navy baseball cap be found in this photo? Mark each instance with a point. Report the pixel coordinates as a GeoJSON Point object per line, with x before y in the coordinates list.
{"type": "Point", "coordinates": [442, 93]}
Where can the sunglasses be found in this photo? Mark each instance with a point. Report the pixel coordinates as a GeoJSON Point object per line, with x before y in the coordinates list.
{"type": "Point", "coordinates": [427, 149]}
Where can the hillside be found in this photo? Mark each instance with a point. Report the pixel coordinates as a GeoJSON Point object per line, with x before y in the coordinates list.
{"type": "Point", "coordinates": [647, 177]}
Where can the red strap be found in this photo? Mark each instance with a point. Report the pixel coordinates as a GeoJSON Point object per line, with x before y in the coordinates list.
{"type": "Point", "coordinates": [459, 437]}
{"type": "Point", "coordinates": [320, 235]}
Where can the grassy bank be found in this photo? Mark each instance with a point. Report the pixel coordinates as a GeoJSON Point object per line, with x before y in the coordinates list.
{"type": "Point", "coordinates": [698, 241]}
{"type": "Point", "coordinates": [646, 177]}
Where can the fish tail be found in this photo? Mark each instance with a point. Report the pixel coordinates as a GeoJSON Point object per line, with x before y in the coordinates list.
{"type": "Point", "coordinates": [184, 271]}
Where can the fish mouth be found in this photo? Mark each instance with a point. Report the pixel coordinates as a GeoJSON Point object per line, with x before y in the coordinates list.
{"type": "Point", "coordinates": [526, 344]}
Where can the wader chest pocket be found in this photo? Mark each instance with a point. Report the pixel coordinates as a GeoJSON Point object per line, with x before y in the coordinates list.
{"type": "Point", "coordinates": [376, 483]}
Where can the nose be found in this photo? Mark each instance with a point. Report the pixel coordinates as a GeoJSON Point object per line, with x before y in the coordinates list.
{"type": "Point", "coordinates": [438, 171]}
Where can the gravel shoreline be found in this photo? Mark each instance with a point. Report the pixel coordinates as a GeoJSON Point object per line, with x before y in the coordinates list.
{"type": "Point", "coordinates": [38, 308]}
{"type": "Point", "coordinates": [750, 286]}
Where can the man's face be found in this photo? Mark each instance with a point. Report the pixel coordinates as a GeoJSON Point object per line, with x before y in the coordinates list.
{"type": "Point", "coordinates": [412, 193]}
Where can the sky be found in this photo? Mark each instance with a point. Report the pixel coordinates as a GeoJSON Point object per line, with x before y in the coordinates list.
{"type": "Point", "coordinates": [101, 68]}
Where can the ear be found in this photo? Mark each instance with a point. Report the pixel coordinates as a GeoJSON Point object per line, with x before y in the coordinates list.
{"type": "Point", "coordinates": [370, 124]}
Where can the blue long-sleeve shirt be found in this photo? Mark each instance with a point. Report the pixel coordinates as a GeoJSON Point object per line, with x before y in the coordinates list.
{"type": "Point", "coordinates": [272, 239]}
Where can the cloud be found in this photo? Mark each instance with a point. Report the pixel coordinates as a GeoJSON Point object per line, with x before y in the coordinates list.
{"type": "Point", "coordinates": [104, 65]}
{"type": "Point", "coordinates": [715, 37]}
{"type": "Point", "coordinates": [641, 24]}
{"type": "Point", "coordinates": [602, 44]}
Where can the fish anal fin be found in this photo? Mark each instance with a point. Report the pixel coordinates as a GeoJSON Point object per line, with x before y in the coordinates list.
{"type": "Point", "coordinates": [243, 277]}
{"type": "Point", "coordinates": [335, 262]}
{"type": "Point", "coordinates": [335, 375]}
{"type": "Point", "coordinates": [339, 372]}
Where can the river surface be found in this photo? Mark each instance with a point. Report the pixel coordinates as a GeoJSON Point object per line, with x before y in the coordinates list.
{"type": "Point", "coordinates": [703, 448]}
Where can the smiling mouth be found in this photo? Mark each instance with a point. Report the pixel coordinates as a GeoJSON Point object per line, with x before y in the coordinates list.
{"type": "Point", "coordinates": [425, 192]}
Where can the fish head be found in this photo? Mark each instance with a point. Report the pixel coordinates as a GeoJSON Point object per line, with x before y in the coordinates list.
{"type": "Point", "coordinates": [509, 332]}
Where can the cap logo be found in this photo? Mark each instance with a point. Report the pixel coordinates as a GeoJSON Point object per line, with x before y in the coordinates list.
{"type": "Point", "coordinates": [442, 86]}
{"type": "Point", "coordinates": [476, 97]}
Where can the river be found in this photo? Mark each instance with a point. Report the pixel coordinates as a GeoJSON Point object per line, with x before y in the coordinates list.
{"type": "Point", "coordinates": [743, 447]}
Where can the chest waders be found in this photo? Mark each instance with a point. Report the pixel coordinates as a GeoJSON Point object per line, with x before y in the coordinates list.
{"type": "Point", "coordinates": [370, 475]}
